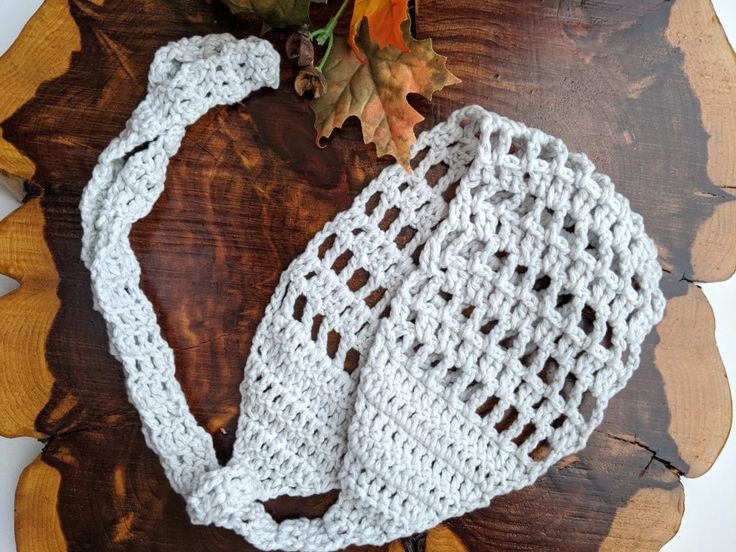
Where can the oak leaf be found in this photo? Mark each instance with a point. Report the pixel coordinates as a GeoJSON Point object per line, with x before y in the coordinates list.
{"type": "Point", "coordinates": [375, 91]}
{"type": "Point", "coordinates": [275, 13]}
{"type": "Point", "coordinates": [384, 18]}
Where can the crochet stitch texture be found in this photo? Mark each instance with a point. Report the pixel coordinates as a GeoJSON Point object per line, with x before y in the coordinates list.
{"type": "Point", "coordinates": [443, 341]}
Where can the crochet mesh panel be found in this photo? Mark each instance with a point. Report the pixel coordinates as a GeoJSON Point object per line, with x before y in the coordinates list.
{"type": "Point", "coordinates": [443, 341]}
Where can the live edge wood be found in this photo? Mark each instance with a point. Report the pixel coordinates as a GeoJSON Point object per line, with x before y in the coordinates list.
{"type": "Point", "coordinates": [645, 88]}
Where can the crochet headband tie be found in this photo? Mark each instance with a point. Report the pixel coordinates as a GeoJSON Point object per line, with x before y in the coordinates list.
{"type": "Point", "coordinates": [443, 341]}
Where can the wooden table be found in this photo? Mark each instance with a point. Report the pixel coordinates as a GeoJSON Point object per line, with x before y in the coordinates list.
{"type": "Point", "coordinates": [646, 88]}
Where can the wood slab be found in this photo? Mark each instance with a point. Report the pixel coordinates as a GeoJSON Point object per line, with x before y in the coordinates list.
{"type": "Point", "coordinates": [645, 88]}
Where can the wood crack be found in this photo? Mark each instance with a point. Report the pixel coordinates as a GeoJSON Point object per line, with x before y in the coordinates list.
{"type": "Point", "coordinates": [689, 280]}
{"type": "Point", "coordinates": [205, 342]}
{"type": "Point", "coordinates": [69, 432]}
{"type": "Point", "coordinates": [654, 455]}
{"type": "Point", "coordinates": [704, 193]}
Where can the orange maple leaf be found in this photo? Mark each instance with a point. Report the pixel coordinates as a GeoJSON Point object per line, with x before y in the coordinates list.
{"type": "Point", "coordinates": [375, 91]}
{"type": "Point", "coordinates": [384, 23]}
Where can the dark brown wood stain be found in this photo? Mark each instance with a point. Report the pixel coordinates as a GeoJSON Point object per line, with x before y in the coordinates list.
{"type": "Point", "coordinates": [248, 190]}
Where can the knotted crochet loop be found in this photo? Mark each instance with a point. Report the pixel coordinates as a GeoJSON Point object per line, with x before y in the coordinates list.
{"type": "Point", "coordinates": [443, 341]}
{"type": "Point", "coordinates": [221, 493]}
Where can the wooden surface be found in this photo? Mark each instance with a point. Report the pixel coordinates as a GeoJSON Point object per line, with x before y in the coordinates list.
{"type": "Point", "coordinates": [645, 88]}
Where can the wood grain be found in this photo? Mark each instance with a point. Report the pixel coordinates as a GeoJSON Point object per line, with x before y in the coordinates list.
{"type": "Point", "coordinates": [25, 66]}
{"type": "Point", "coordinates": [442, 539]}
{"type": "Point", "coordinates": [36, 499]}
{"type": "Point", "coordinates": [622, 81]}
{"type": "Point", "coordinates": [714, 244]}
{"type": "Point", "coordinates": [628, 533]}
{"type": "Point", "coordinates": [26, 315]}
{"type": "Point", "coordinates": [700, 408]}
{"type": "Point", "coordinates": [694, 28]}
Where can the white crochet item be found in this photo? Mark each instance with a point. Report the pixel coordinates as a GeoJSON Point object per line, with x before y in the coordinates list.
{"type": "Point", "coordinates": [445, 340]}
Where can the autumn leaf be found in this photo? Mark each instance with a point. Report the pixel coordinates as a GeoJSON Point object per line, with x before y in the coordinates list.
{"type": "Point", "coordinates": [275, 13]}
{"type": "Point", "coordinates": [376, 91]}
{"type": "Point", "coordinates": [384, 19]}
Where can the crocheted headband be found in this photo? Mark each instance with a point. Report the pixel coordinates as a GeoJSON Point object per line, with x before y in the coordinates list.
{"type": "Point", "coordinates": [485, 310]}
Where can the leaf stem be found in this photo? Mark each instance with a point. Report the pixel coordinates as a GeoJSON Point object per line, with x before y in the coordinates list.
{"type": "Point", "coordinates": [326, 34]}
{"type": "Point", "coordinates": [322, 62]}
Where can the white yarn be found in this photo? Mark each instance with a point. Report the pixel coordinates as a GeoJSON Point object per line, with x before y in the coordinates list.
{"type": "Point", "coordinates": [490, 313]}
{"type": "Point", "coordinates": [186, 79]}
